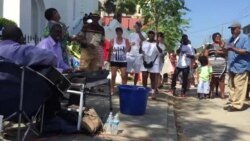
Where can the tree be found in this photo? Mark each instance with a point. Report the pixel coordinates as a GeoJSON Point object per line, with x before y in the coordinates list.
{"type": "Point", "coordinates": [118, 7]}
{"type": "Point", "coordinates": [109, 6]}
{"type": "Point", "coordinates": [6, 22]}
{"type": "Point", "coordinates": [165, 16]}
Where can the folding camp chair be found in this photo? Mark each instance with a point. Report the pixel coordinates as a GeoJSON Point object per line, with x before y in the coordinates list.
{"type": "Point", "coordinates": [23, 94]}
{"type": "Point", "coordinates": [81, 84]}
{"type": "Point", "coordinates": [90, 80]}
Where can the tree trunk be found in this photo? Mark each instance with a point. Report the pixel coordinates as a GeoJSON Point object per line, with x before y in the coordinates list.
{"type": "Point", "coordinates": [118, 17]}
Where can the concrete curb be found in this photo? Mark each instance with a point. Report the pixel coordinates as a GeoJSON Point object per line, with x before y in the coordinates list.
{"type": "Point", "coordinates": [171, 125]}
{"type": "Point", "coordinates": [171, 122]}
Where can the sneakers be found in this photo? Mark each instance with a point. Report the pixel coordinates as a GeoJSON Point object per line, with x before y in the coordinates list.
{"type": "Point", "coordinates": [173, 92]}
{"type": "Point", "coordinates": [153, 94]}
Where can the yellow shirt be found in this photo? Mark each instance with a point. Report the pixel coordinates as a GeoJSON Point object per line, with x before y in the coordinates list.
{"type": "Point", "coordinates": [205, 72]}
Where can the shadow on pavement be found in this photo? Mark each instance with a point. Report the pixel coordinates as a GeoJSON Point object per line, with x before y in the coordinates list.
{"type": "Point", "coordinates": [207, 121]}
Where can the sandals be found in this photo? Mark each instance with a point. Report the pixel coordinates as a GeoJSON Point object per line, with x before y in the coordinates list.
{"type": "Point", "coordinates": [153, 97]}
{"type": "Point", "coordinates": [223, 97]}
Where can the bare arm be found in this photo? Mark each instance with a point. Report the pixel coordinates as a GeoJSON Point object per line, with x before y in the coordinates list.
{"type": "Point", "coordinates": [138, 31]}
{"type": "Point", "coordinates": [238, 50]}
{"type": "Point", "coordinates": [206, 52]}
{"type": "Point", "coordinates": [211, 73]}
{"type": "Point", "coordinates": [158, 47]}
{"type": "Point", "coordinates": [128, 47]}
{"type": "Point", "coordinates": [110, 49]}
{"type": "Point", "coordinates": [221, 51]}
{"type": "Point", "coordinates": [141, 36]}
{"type": "Point", "coordinates": [197, 74]}
{"type": "Point", "coordinates": [140, 49]}
{"type": "Point", "coordinates": [192, 53]}
{"type": "Point", "coordinates": [244, 49]}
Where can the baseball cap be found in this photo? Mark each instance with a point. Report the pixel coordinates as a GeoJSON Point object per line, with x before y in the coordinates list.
{"type": "Point", "coordinates": [235, 24]}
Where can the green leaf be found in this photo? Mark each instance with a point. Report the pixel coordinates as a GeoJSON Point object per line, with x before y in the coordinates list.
{"type": "Point", "coordinates": [165, 16]}
{"type": "Point", "coordinates": [6, 22]}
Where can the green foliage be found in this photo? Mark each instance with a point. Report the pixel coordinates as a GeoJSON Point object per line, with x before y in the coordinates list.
{"type": "Point", "coordinates": [120, 6]}
{"type": "Point", "coordinates": [74, 49]}
{"type": "Point", "coordinates": [127, 6]}
{"type": "Point", "coordinates": [5, 22]}
{"type": "Point", "coordinates": [165, 16]}
{"type": "Point", "coordinates": [109, 6]}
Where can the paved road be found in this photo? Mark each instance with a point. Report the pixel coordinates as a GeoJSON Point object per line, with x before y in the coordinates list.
{"type": "Point", "coordinates": [205, 120]}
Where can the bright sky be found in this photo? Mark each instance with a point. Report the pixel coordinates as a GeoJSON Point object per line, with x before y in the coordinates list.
{"type": "Point", "coordinates": [209, 16]}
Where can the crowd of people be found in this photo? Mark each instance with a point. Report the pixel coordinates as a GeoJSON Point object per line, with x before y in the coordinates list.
{"type": "Point", "coordinates": [207, 68]}
{"type": "Point", "coordinates": [231, 56]}
{"type": "Point", "coordinates": [141, 53]}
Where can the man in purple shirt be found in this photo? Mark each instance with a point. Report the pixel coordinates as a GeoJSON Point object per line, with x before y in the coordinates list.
{"type": "Point", "coordinates": [13, 49]}
{"type": "Point", "coordinates": [51, 43]}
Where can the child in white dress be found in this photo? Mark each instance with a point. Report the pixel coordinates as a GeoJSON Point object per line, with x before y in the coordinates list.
{"type": "Point", "coordinates": [204, 73]}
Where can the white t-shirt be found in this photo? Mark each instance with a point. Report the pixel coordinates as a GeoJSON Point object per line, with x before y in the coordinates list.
{"type": "Point", "coordinates": [135, 39]}
{"type": "Point", "coordinates": [149, 51]}
{"type": "Point", "coordinates": [183, 60]}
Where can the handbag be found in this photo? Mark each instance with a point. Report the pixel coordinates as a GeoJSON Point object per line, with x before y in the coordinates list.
{"type": "Point", "coordinates": [91, 122]}
{"type": "Point", "coordinates": [150, 64]}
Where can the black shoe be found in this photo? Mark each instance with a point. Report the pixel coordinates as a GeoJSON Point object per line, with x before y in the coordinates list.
{"type": "Point", "coordinates": [161, 86]}
{"type": "Point", "coordinates": [176, 95]}
{"type": "Point", "coordinates": [226, 108]}
{"type": "Point", "coordinates": [199, 95]}
{"type": "Point", "coordinates": [232, 109]}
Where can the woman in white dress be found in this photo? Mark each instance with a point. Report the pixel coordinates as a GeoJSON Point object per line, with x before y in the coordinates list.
{"type": "Point", "coordinates": [161, 44]}
{"type": "Point", "coordinates": [151, 55]}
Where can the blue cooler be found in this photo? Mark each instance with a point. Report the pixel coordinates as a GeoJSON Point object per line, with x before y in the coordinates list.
{"type": "Point", "coordinates": [133, 99]}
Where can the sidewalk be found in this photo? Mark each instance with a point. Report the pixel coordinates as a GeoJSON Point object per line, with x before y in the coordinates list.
{"type": "Point", "coordinates": [205, 120]}
{"type": "Point", "coordinates": [156, 125]}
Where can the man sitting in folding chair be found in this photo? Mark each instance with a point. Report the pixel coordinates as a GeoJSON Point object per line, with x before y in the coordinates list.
{"type": "Point", "coordinates": [13, 50]}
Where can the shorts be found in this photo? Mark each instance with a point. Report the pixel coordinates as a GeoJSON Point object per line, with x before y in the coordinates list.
{"type": "Point", "coordinates": [89, 59]}
{"type": "Point", "coordinates": [203, 87]}
{"type": "Point", "coordinates": [118, 64]}
{"type": "Point", "coordinates": [134, 63]}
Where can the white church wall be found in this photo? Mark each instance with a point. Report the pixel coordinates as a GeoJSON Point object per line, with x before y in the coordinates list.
{"type": "Point", "coordinates": [29, 14]}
